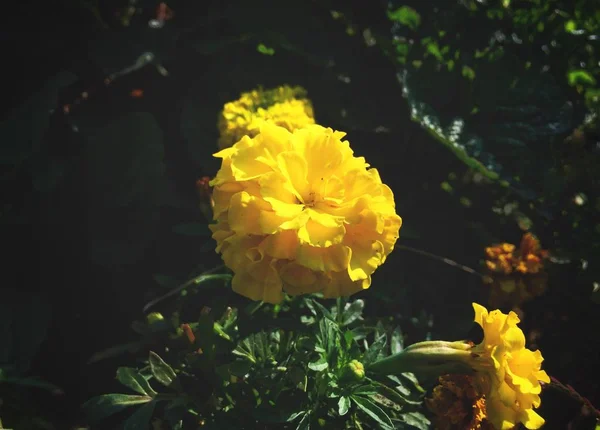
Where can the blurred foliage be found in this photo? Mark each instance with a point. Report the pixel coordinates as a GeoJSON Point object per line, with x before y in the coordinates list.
{"type": "Point", "coordinates": [24, 319]}
{"type": "Point", "coordinates": [225, 371]}
{"type": "Point", "coordinates": [103, 158]}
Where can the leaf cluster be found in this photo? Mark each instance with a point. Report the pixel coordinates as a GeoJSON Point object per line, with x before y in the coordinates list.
{"type": "Point", "coordinates": [235, 371]}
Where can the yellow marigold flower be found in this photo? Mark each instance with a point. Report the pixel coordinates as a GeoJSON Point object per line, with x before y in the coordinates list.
{"type": "Point", "coordinates": [285, 106]}
{"type": "Point", "coordinates": [505, 373]}
{"type": "Point", "coordinates": [298, 212]}
{"type": "Point", "coordinates": [513, 371]}
{"type": "Point", "coordinates": [458, 404]}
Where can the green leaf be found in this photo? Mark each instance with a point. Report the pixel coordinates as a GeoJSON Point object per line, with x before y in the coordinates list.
{"type": "Point", "coordinates": [319, 365]}
{"type": "Point", "coordinates": [109, 404]}
{"type": "Point", "coordinates": [396, 341]}
{"type": "Point", "coordinates": [364, 390]}
{"type": "Point", "coordinates": [401, 395]}
{"type": "Point", "coordinates": [374, 412]}
{"type": "Point", "coordinates": [329, 339]}
{"type": "Point", "coordinates": [304, 423]}
{"type": "Point", "coordinates": [239, 368]}
{"type": "Point", "coordinates": [161, 371]}
{"type": "Point", "coordinates": [317, 309]}
{"type": "Point", "coordinates": [131, 378]}
{"type": "Point", "coordinates": [376, 348]}
{"type": "Point", "coordinates": [192, 229]}
{"type": "Point", "coordinates": [265, 50]}
{"type": "Point", "coordinates": [581, 77]}
{"type": "Point", "coordinates": [352, 312]}
{"type": "Point", "coordinates": [255, 348]}
{"type": "Point", "coordinates": [140, 419]}
{"type": "Point", "coordinates": [416, 419]}
{"type": "Point", "coordinates": [407, 16]}
{"type": "Point", "coordinates": [343, 405]}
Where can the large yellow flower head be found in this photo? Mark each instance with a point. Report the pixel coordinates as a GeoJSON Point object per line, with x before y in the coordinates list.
{"type": "Point", "coordinates": [298, 212]}
{"type": "Point", "coordinates": [512, 371]}
{"type": "Point", "coordinates": [285, 106]}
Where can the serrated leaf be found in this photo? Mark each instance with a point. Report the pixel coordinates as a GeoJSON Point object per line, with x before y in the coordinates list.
{"type": "Point", "coordinates": [131, 378]}
{"type": "Point", "coordinates": [374, 350]}
{"type": "Point", "coordinates": [239, 368]}
{"type": "Point", "coordinates": [343, 405]}
{"type": "Point", "coordinates": [400, 397]}
{"type": "Point", "coordinates": [304, 423]}
{"type": "Point", "coordinates": [109, 404]}
{"type": "Point", "coordinates": [364, 390]}
{"type": "Point", "coordinates": [140, 419]}
{"type": "Point", "coordinates": [396, 341]}
{"type": "Point", "coordinates": [320, 310]}
{"type": "Point", "coordinates": [416, 419]}
{"type": "Point", "coordinates": [374, 412]}
{"type": "Point", "coordinates": [361, 332]}
{"type": "Point", "coordinates": [319, 365]}
{"type": "Point", "coordinates": [161, 371]}
{"type": "Point", "coordinates": [352, 312]}
{"type": "Point", "coordinates": [413, 379]}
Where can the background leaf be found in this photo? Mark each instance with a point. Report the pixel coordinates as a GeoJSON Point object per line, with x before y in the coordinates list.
{"type": "Point", "coordinates": [161, 371]}
{"type": "Point", "coordinates": [140, 419]}
{"type": "Point", "coordinates": [131, 378]}
{"type": "Point", "coordinates": [374, 412]}
{"type": "Point", "coordinates": [109, 404]}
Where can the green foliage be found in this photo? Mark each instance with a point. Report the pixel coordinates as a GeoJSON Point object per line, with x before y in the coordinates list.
{"type": "Point", "coordinates": [308, 374]}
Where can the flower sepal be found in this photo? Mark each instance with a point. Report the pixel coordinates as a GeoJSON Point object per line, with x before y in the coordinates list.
{"type": "Point", "coordinates": [427, 359]}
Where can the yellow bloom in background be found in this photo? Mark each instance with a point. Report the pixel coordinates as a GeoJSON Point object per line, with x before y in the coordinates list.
{"type": "Point", "coordinates": [298, 212]}
{"type": "Point", "coordinates": [513, 372]}
{"type": "Point", "coordinates": [285, 106]}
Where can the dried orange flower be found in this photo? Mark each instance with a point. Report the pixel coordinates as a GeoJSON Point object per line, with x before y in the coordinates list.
{"type": "Point", "coordinates": [516, 275]}
{"type": "Point", "coordinates": [458, 404]}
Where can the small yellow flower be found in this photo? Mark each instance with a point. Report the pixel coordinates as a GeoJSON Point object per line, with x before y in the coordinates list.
{"type": "Point", "coordinates": [298, 212]}
{"type": "Point", "coordinates": [285, 106]}
{"type": "Point", "coordinates": [513, 372]}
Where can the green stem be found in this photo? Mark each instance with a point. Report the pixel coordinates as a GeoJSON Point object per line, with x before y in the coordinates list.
{"type": "Point", "coordinates": [206, 276]}
{"type": "Point", "coordinates": [442, 259]}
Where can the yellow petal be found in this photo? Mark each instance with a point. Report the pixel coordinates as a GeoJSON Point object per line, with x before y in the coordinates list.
{"type": "Point", "coordinates": [532, 420]}
{"type": "Point", "coordinates": [364, 259]}
{"type": "Point", "coordinates": [293, 168]}
{"type": "Point", "coordinates": [281, 245]}
{"type": "Point", "coordinates": [480, 313]}
{"type": "Point", "coordinates": [333, 258]}
{"type": "Point", "coordinates": [338, 284]}
{"type": "Point", "coordinates": [315, 234]}
{"type": "Point", "coordinates": [244, 213]}
{"type": "Point", "coordinates": [299, 280]}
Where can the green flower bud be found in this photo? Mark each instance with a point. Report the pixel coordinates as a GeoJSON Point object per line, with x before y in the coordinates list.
{"type": "Point", "coordinates": [154, 317]}
{"type": "Point", "coordinates": [353, 371]}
